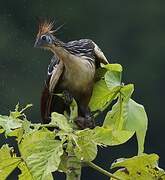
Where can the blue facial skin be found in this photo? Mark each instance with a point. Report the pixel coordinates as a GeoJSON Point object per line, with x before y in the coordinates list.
{"type": "Point", "coordinates": [43, 40]}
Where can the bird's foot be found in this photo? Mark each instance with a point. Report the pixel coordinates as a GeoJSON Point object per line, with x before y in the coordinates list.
{"type": "Point", "coordinates": [85, 122]}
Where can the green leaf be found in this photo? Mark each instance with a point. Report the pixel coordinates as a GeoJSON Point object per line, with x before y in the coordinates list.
{"type": "Point", "coordinates": [129, 116]}
{"type": "Point", "coordinates": [26, 126]}
{"type": "Point", "coordinates": [112, 79]}
{"type": "Point", "coordinates": [106, 90]}
{"type": "Point", "coordinates": [25, 172]}
{"type": "Point", "coordinates": [73, 111]}
{"type": "Point", "coordinates": [7, 162]}
{"type": "Point", "coordinates": [2, 130]}
{"type": "Point", "coordinates": [7, 166]}
{"type": "Point", "coordinates": [63, 164]}
{"type": "Point", "coordinates": [8, 123]}
{"type": "Point", "coordinates": [113, 67]}
{"type": "Point", "coordinates": [5, 152]}
{"type": "Point", "coordinates": [113, 75]}
{"type": "Point", "coordinates": [111, 137]}
{"type": "Point", "coordinates": [18, 133]}
{"type": "Point", "coordinates": [24, 130]}
{"type": "Point", "coordinates": [60, 121]}
{"type": "Point", "coordinates": [42, 153]}
{"type": "Point", "coordinates": [86, 148]}
{"type": "Point", "coordinates": [101, 96]}
{"type": "Point", "coordinates": [142, 167]}
{"type": "Point", "coordinates": [119, 113]}
{"type": "Point", "coordinates": [19, 113]}
{"type": "Point", "coordinates": [137, 121]}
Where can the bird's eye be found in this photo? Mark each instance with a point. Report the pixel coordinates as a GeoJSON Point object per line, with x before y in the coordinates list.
{"type": "Point", "coordinates": [46, 38]}
{"type": "Point", "coordinates": [43, 37]}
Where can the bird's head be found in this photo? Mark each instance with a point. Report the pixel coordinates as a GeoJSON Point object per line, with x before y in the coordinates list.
{"type": "Point", "coordinates": [45, 37]}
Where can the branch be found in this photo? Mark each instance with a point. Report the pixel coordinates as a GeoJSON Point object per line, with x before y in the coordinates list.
{"type": "Point", "coordinates": [74, 168]}
{"type": "Point", "coordinates": [102, 171]}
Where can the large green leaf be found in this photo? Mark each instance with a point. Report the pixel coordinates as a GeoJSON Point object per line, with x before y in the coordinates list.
{"type": "Point", "coordinates": [106, 90]}
{"type": "Point", "coordinates": [18, 133]}
{"type": "Point", "coordinates": [7, 162]}
{"type": "Point", "coordinates": [111, 137]}
{"type": "Point", "coordinates": [42, 153]}
{"type": "Point", "coordinates": [129, 116]}
{"type": "Point", "coordinates": [25, 172]}
{"type": "Point", "coordinates": [137, 121]}
{"type": "Point", "coordinates": [101, 96]}
{"type": "Point", "coordinates": [112, 79]}
{"type": "Point", "coordinates": [113, 67]}
{"type": "Point", "coordinates": [61, 121]}
{"type": "Point", "coordinates": [13, 122]}
{"type": "Point", "coordinates": [18, 113]}
{"type": "Point", "coordinates": [113, 76]}
{"type": "Point", "coordinates": [7, 166]}
{"type": "Point", "coordinates": [142, 167]}
{"type": "Point", "coordinates": [88, 139]}
{"type": "Point", "coordinates": [119, 113]}
{"type": "Point", "coordinates": [86, 147]}
{"type": "Point", "coordinates": [8, 123]}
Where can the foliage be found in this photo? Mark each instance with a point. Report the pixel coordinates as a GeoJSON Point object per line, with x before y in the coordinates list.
{"type": "Point", "coordinates": [139, 167]}
{"type": "Point", "coordinates": [43, 151]}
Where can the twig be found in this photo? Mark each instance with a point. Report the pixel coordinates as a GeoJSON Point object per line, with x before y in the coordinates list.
{"type": "Point", "coordinates": [48, 125]}
{"type": "Point", "coordinates": [102, 171]}
{"type": "Point", "coordinates": [74, 167]}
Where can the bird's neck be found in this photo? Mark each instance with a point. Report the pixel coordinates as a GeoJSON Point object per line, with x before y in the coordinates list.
{"type": "Point", "coordinates": [69, 60]}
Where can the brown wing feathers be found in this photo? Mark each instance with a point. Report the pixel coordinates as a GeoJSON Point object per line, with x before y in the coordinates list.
{"type": "Point", "coordinates": [49, 101]}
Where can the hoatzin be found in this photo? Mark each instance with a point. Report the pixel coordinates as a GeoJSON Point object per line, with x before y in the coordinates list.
{"type": "Point", "coordinates": [71, 71]}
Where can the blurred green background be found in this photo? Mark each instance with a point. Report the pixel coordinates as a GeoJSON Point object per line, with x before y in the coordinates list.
{"type": "Point", "coordinates": [131, 33]}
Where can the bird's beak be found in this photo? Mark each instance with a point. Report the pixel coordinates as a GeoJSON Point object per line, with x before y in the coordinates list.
{"type": "Point", "coordinates": [37, 43]}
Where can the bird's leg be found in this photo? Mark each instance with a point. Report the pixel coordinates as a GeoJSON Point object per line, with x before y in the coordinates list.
{"type": "Point", "coordinates": [68, 98]}
{"type": "Point", "coordinates": [86, 119]}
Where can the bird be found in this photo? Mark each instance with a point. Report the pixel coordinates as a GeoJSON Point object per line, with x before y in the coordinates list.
{"type": "Point", "coordinates": [71, 71]}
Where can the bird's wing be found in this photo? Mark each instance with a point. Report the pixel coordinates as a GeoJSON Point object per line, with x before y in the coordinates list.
{"type": "Point", "coordinates": [100, 57]}
{"type": "Point", "coordinates": [88, 48]}
{"type": "Point", "coordinates": [55, 70]}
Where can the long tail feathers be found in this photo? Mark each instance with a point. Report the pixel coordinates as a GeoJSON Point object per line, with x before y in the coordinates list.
{"type": "Point", "coordinates": [50, 103]}
{"type": "Point", "coordinates": [46, 101]}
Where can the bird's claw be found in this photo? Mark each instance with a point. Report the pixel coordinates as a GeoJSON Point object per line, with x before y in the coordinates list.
{"type": "Point", "coordinates": [85, 122]}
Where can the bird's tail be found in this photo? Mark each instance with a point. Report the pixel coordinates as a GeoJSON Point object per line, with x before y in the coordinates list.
{"type": "Point", "coordinates": [50, 103]}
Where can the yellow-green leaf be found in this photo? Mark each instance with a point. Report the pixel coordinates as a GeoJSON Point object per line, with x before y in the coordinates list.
{"type": "Point", "coordinates": [8, 123]}
{"type": "Point", "coordinates": [143, 167]}
{"type": "Point", "coordinates": [61, 121]}
{"type": "Point", "coordinates": [109, 136]}
{"type": "Point", "coordinates": [25, 172]}
{"type": "Point", "coordinates": [113, 67]}
{"type": "Point", "coordinates": [101, 96]}
{"type": "Point", "coordinates": [7, 162]}
{"type": "Point", "coordinates": [42, 153]}
{"type": "Point", "coordinates": [86, 147]}
{"type": "Point", "coordinates": [137, 121]}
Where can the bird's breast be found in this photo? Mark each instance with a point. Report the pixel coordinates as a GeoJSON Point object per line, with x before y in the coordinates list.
{"type": "Point", "coordinates": [78, 78]}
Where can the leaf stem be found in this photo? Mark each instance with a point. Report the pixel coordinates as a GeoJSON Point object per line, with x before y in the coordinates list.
{"type": "Point", "coordinates": [43, 125]}
{"type": "Point", "coordinates": [102, 171]}
{"type": "Point", "coordinates": [74, 167]}
{"type": "Point", "coordinates": [48, 125]}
